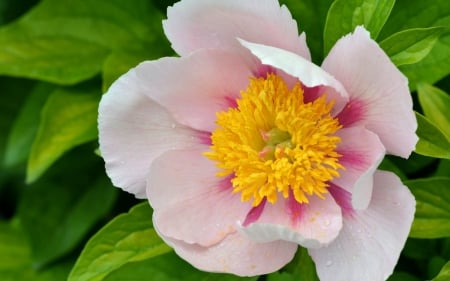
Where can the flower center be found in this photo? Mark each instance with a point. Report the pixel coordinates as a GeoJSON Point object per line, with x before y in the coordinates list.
{"type": "Point", "coordinates": [273, 143]}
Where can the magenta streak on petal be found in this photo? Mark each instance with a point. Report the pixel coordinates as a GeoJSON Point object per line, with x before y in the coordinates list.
{"type": "Point", "coordinates": [352, 113]}
{"type": "Point", "coordinates": [204, 137]}
{"type": "Point", "coordinates": [311, 94]}
{"type": "Point", "coordinates": [254, 213]}
{"type": "Point", "coordinates": [263, 70]}
{"type": "Point", "coordinates": [294, 209]}
{"type": "Point", "coordinates": [225, 183]}
{"type": "Point", "coordinates": [231, 102]}
{"type": "Point", "coordinates": [343, 198]}
{"type": "Point", "coordinates": [352, 158]}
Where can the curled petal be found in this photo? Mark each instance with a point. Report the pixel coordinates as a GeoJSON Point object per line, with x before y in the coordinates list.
{"type": "Point", "coordinates": [190, 203]}
{"type": "Point", "coordinates": [379, 94]}
{"type": "Point", "coordinates": [236, 254]}
{"type": "Point", "coordinates": [308, 73]}
{"type": "Point", "coordinates": [311, 225]}
{"type": "Point", "coordinates": [371, 240]}
{"type": "Point", "coordinates": [195, 87]}
{"type": "Point", "coordinates": [362, 152]}
{"type": "Point", "coordinates": [130, 123]}
{"type": "Point", "coordinates": [198, 24]}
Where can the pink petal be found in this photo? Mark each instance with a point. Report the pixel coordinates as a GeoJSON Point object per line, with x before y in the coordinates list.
{"type": "Point", "coordinates": [371, 240]}
{"type": "Point", "coordinates": [198, 24]}
{"type": "Point", "coordinates": [308, 73]}
{"type": "Point", "coordinates": [378, 91]}
{"type": "Point", "coordinates": [236, 254]}
{"type": "Point", "coordinates": [195, 87]}
{"type": "Point", "coordinates": [311, 225]}
{"type": "Point", "coordinates": [362, 152]}
{"type": "Point", "coordinates": [190, 203]}
{"type": "Point", "coordinates": [134, 130]}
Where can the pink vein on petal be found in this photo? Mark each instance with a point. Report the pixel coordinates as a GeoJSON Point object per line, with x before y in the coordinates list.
{"type": "Point", "coordinates": [254, 213]}
{"type": "Point", "coordinates": [204, 137]}
{"type": "Point", "coordinates": [343, 198]}
{"type": "Point", "coordinates": [351, 113]}
{"type": "Point", "coordinates": [294, 209]}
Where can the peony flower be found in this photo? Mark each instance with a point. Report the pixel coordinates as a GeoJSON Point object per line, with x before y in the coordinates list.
{"type": "Point", "coordinates": [247, 150]}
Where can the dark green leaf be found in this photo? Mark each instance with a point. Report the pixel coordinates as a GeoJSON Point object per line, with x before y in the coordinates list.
{"type": "Point", "coordinates": [25, 125]}
{"type": "Point", "coordinates": [402, 276]}
{"type": "Point", "coordinates": [432, 141]}
{"type": "Point", "coordinates": [57, 218]}
{"type": "Point", "coordinates": [127, 238]}
{"type": "Point", "coordinates": [432, 218]}
{"type": "Point", "coordinates": [412, 45]}
{"type": "Point", "coordinates": [444, 274]}
{"type": "Point", "coordinates": [65, 42]}
{"type": "Point", "coordinates": [68, 119]}
{"type": "Point", "coordinates": [345, 15]}
{"type": "Point", "coordinates": [15, 262]}
{"type": "Point", "coordinates": [436, 106]}
{"type": "Point", "coordinates": [310, 16]}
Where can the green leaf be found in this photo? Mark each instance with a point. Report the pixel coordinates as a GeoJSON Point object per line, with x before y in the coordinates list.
{"type": "Point", "coordinates": [444, 274]}
{"type": "Point", "coordinates": [310, 16]}
{"type": "Point", "coordinates": [25, 126]}
{"type": "Point", "coordinates": [436, 106]}
{"type": "Point", "coordinates": [57, 218]}
{"type": "Point", "coordinates": [13, 94]}
{"type": "Point", "coordinates": [161, 268]}
{"type": "Point", "coordinates": [65, 42]}
{"type": "Point", "coordinates": [403, 276]}
{"type": "Point", "coordinates": [432, 218]}
{"type": "Point", "coordinates": [15, 262]}
{"type": "Point", "coordinates": [68, 119]}
{"type": "Point", "coordinates": [412, 45]}
{"type": "Point", "coordinates": [302, 267]}
{"type": "Point", "coordinates": [344, 15]}
{"type": "Point", "coordinates": [432, 141]}
{"type": "Point", "coordinates": [420, 14]}
{"type": "Point", "coordinates": [127, 238]}
{"type": "Point", "coordinates": [119, 63]}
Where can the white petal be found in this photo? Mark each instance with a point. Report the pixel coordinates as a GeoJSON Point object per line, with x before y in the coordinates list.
{"type": "Point", "coordinates": [308, 73]}
{"type": "Point", "coordinates": [370, 242]}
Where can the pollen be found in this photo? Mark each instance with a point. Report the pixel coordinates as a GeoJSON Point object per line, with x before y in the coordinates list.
{"type": "Point", "coordinates": [274, 144]}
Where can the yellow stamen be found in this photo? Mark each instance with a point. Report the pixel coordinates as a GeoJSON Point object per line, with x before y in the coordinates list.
{"type": "Point", "coordinates": [274, 143]}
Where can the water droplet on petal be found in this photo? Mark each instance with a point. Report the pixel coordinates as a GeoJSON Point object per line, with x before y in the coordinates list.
{"type": "Point", "coordinates": [329, 263]}
{"type": "Point", "coordinates": [359, 230]}
{"type": "Point", "coordinates": [173, 126]}
{"type": "Point", "coordinates": [327, 222]}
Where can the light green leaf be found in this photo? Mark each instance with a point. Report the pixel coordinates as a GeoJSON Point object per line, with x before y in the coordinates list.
{"type": "Point", "coordinates": [119, 63]}
{"type": "Point", "coordinates": [161, 268]}
{"type": "Point", "coordinates": [68, 119]}
{"type": "Point", "coordinates": [420, 14]}
{"type": "Point", "coordinates": [432, 141]}
{"type": "Point", "coordinates": [412, 45]}
{"type": "Point", "coordinates": [444, 274]}
{"type": "Point", "coordinates": [436, 106]}
{"type": "Point", "coordinates": [55, 227]}
{"type": "Point", "coordinates": [127, 238]}
{"type": "Point", "coordinates": [66, 42]}
{"type": "Point", "coordinates": [344, 15]}
{"type": "Point", "coordinates": [432, 217]}
{"type": "Point", "coordinates": [25, 126]}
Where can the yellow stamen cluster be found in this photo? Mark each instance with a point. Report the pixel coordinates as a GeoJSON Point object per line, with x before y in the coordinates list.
{"type": "Point", "coordinates": [273, 143]}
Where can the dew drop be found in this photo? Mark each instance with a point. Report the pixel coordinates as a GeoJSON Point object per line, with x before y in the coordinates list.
{"type": "Point", "coordinates": [327, 222]}
{"type": "Point", "coordinates": [359, 230]}
{"type": "Point", "coordinates": [173, 126]}
{"type": "Point", "coordinates": [329, 263]}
